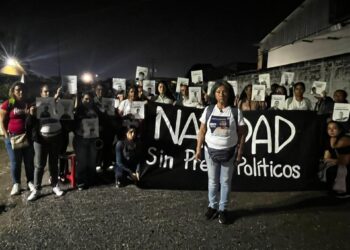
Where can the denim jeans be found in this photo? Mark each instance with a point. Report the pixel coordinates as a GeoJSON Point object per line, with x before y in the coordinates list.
{"type": "Point", "coordinates": [122, 167]}
{"type": "Point", "coordinates": [16, 156]}
{"type": "Point", "coordinates": [42, 151]}
{"type": "Point", "coordinates": [219, 177]}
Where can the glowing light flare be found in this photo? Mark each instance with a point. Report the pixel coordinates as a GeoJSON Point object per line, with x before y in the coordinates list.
{"type": "Point", "coordinates": [87, 77]}
{"type": "Point", "coordinates": [11, 62]}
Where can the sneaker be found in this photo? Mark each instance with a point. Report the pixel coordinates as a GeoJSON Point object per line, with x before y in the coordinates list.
{"type": "Point", "coordinates": [57, 191]}
{"type": "Point", "coordinates": [119, 184]}
{"type": "Point", "coordinates": [223, 217]}
{"type": "Point", "coordinates": [31, 186]}
{"type": "Point", "coordinates": [34, 195]}
{"type": "Point", "coordinates": [342, 195]}
{"type": "Point", "coordinates": [81, 187]}
{"type": "Point", "coordinates": [16, 189]}
{"type": "Point", "coordinates": [98, 169]}
{"type": "Point", "coordinates": [110, 168]}
{"type": "Point", "coordinates": [211, 213]}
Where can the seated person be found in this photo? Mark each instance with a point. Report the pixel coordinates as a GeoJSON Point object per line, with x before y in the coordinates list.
{"type": "Point", "coordinates": [336, 161]}
{"type": "Point", "coordinates": [128, 158]}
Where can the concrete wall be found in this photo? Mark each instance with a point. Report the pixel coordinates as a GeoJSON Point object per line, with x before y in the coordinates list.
{"type": "Point", "coordinates": [316, 47]}
{"type": "Point", "coordinates": [334, 70]}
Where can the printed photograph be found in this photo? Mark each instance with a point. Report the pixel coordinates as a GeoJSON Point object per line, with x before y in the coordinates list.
{"type": "Point", "coordinates": [90, 128]}
{"type": "Point", "coordinates": [318, 87]}
{"type": "Point", "coordinates": [195, 95]}
{"type": "Point", "coordinates": [149, 87]}
{"type": "Point", "coordinates": [141, 73]}
{"type": "Point", "coordinates": [197, 76]}
{"type": "Point", "coordinates": [287, 79]}
{"type": "Point", "coordinates": [45, 107]}
{"type": "Point", "coordinates": [181, 81]}
{"type": "Point", "coordinates": [138, 110]}
{"type": "Point", "coordinates": [69, 83]}
{"type": "Point", "coordinates": [65, 109]}
{"type": "Point", "coordinates": [278, 102]}
{"type": "Point", "coordinates": [108, 105]}
{"type": "Point", "coordinates": [341, 112]}
{"type": "Point", "coordinates": [119, 84]}
{"type": "Point", "coordinates": [264, 79]}
{"type": "Point", "coordinates": [258, 92]}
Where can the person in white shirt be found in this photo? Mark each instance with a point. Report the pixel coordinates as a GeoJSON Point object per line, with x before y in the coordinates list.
{"type": "Point", "coordinates": [125, 106]}
{"type": "Point", "coordinates": [222, 135]}
{"type": "Point", "coordinates": [298, 101]}
{"type": "Point", "coordinates": [162, 97]}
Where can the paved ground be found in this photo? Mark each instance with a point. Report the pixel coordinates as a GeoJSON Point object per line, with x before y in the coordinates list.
{"type": "Point", "coordinates": [104, 217]}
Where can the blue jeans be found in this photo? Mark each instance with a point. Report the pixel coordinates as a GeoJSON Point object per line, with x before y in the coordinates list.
{"type": "Point", "coordinates": [16, 156]}
{"type": "Point", "coordinates": [219, 176]}
{"type": "Point", "coordinates": [122, 167]}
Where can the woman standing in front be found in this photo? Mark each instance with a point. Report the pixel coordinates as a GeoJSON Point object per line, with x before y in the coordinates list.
{"type": "Point", "coordinates": [47, 139]}
{"type": "Point", "coordinates": [13, 114]}
{"type": "Point", "coordinates": [223, 130]}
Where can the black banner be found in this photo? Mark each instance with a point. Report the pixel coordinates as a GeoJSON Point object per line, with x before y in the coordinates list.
{"type": "Point", "coordinates": [281, 151]}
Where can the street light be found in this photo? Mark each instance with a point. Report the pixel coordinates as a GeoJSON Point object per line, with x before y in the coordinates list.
{"type": "Point", "coordinates": [12, 67]}
{"type": "Point", "coordinates": [87, 77]}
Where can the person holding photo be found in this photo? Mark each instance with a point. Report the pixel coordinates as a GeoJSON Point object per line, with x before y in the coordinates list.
{"type": "Point", "coordinates": [246, 103]}
{"type": "Point", "coordinates": [47, 139]}
{"type": "Point", "coordinates": [85, 148]}
{"type": "Point", "coordinates": [125, 106]}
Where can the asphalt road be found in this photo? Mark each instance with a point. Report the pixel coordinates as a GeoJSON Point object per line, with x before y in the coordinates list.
{"type": "Point", "coordinates": [104, 217]}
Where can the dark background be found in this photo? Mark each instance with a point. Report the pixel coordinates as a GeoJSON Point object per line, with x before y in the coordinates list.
{"type": "Point", "coordinates": [111, 38]}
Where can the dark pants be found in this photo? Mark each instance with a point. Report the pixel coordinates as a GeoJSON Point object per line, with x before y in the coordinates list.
{"type": "Point", "coordinates": [105, 154]}
{"type": "Point", "coordinates": [123, 168]}
{"type": "Point", "coordinates": [85, 151]}
{"type": "Point", "coordinates": [43, 150]}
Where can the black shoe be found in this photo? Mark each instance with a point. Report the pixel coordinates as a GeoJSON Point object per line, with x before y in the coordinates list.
{"type": "Point", "coordinates": [223, 217]}
{"type": "Point", "coordinates": [211, 213]}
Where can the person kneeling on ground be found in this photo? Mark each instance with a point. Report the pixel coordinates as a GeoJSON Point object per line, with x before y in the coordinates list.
{"type": "Point", "coordinates": [128, 158]}
{"type": "Point", "coordinates": [336, 162]}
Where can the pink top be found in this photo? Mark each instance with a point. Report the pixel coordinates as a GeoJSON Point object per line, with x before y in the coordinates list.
{"type": "Point", "coordinates": [16, 123]}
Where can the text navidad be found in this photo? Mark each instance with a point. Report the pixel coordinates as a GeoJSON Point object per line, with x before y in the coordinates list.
{"type": "Point", "coordinates": [258, 167]}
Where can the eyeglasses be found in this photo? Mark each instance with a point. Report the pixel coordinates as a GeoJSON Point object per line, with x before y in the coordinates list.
{"type": "Point", "coordinates": [18, 89]}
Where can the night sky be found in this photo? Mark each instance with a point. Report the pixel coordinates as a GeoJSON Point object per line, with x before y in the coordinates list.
{"type": "Point", "coordinates": [111, 38]}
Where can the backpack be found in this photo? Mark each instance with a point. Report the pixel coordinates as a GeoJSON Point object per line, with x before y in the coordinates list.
{"type": "Point", "coordinates": [221, 155]}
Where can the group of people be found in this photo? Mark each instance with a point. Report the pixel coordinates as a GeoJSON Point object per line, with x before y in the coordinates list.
{"type": "Point", "coordinates": [117, 146]}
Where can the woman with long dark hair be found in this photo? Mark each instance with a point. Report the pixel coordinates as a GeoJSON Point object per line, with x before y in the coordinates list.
{"type": "Point", "coordinates": [336, 160]}
{"type": "Point", "coordinates": [13, 114]}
